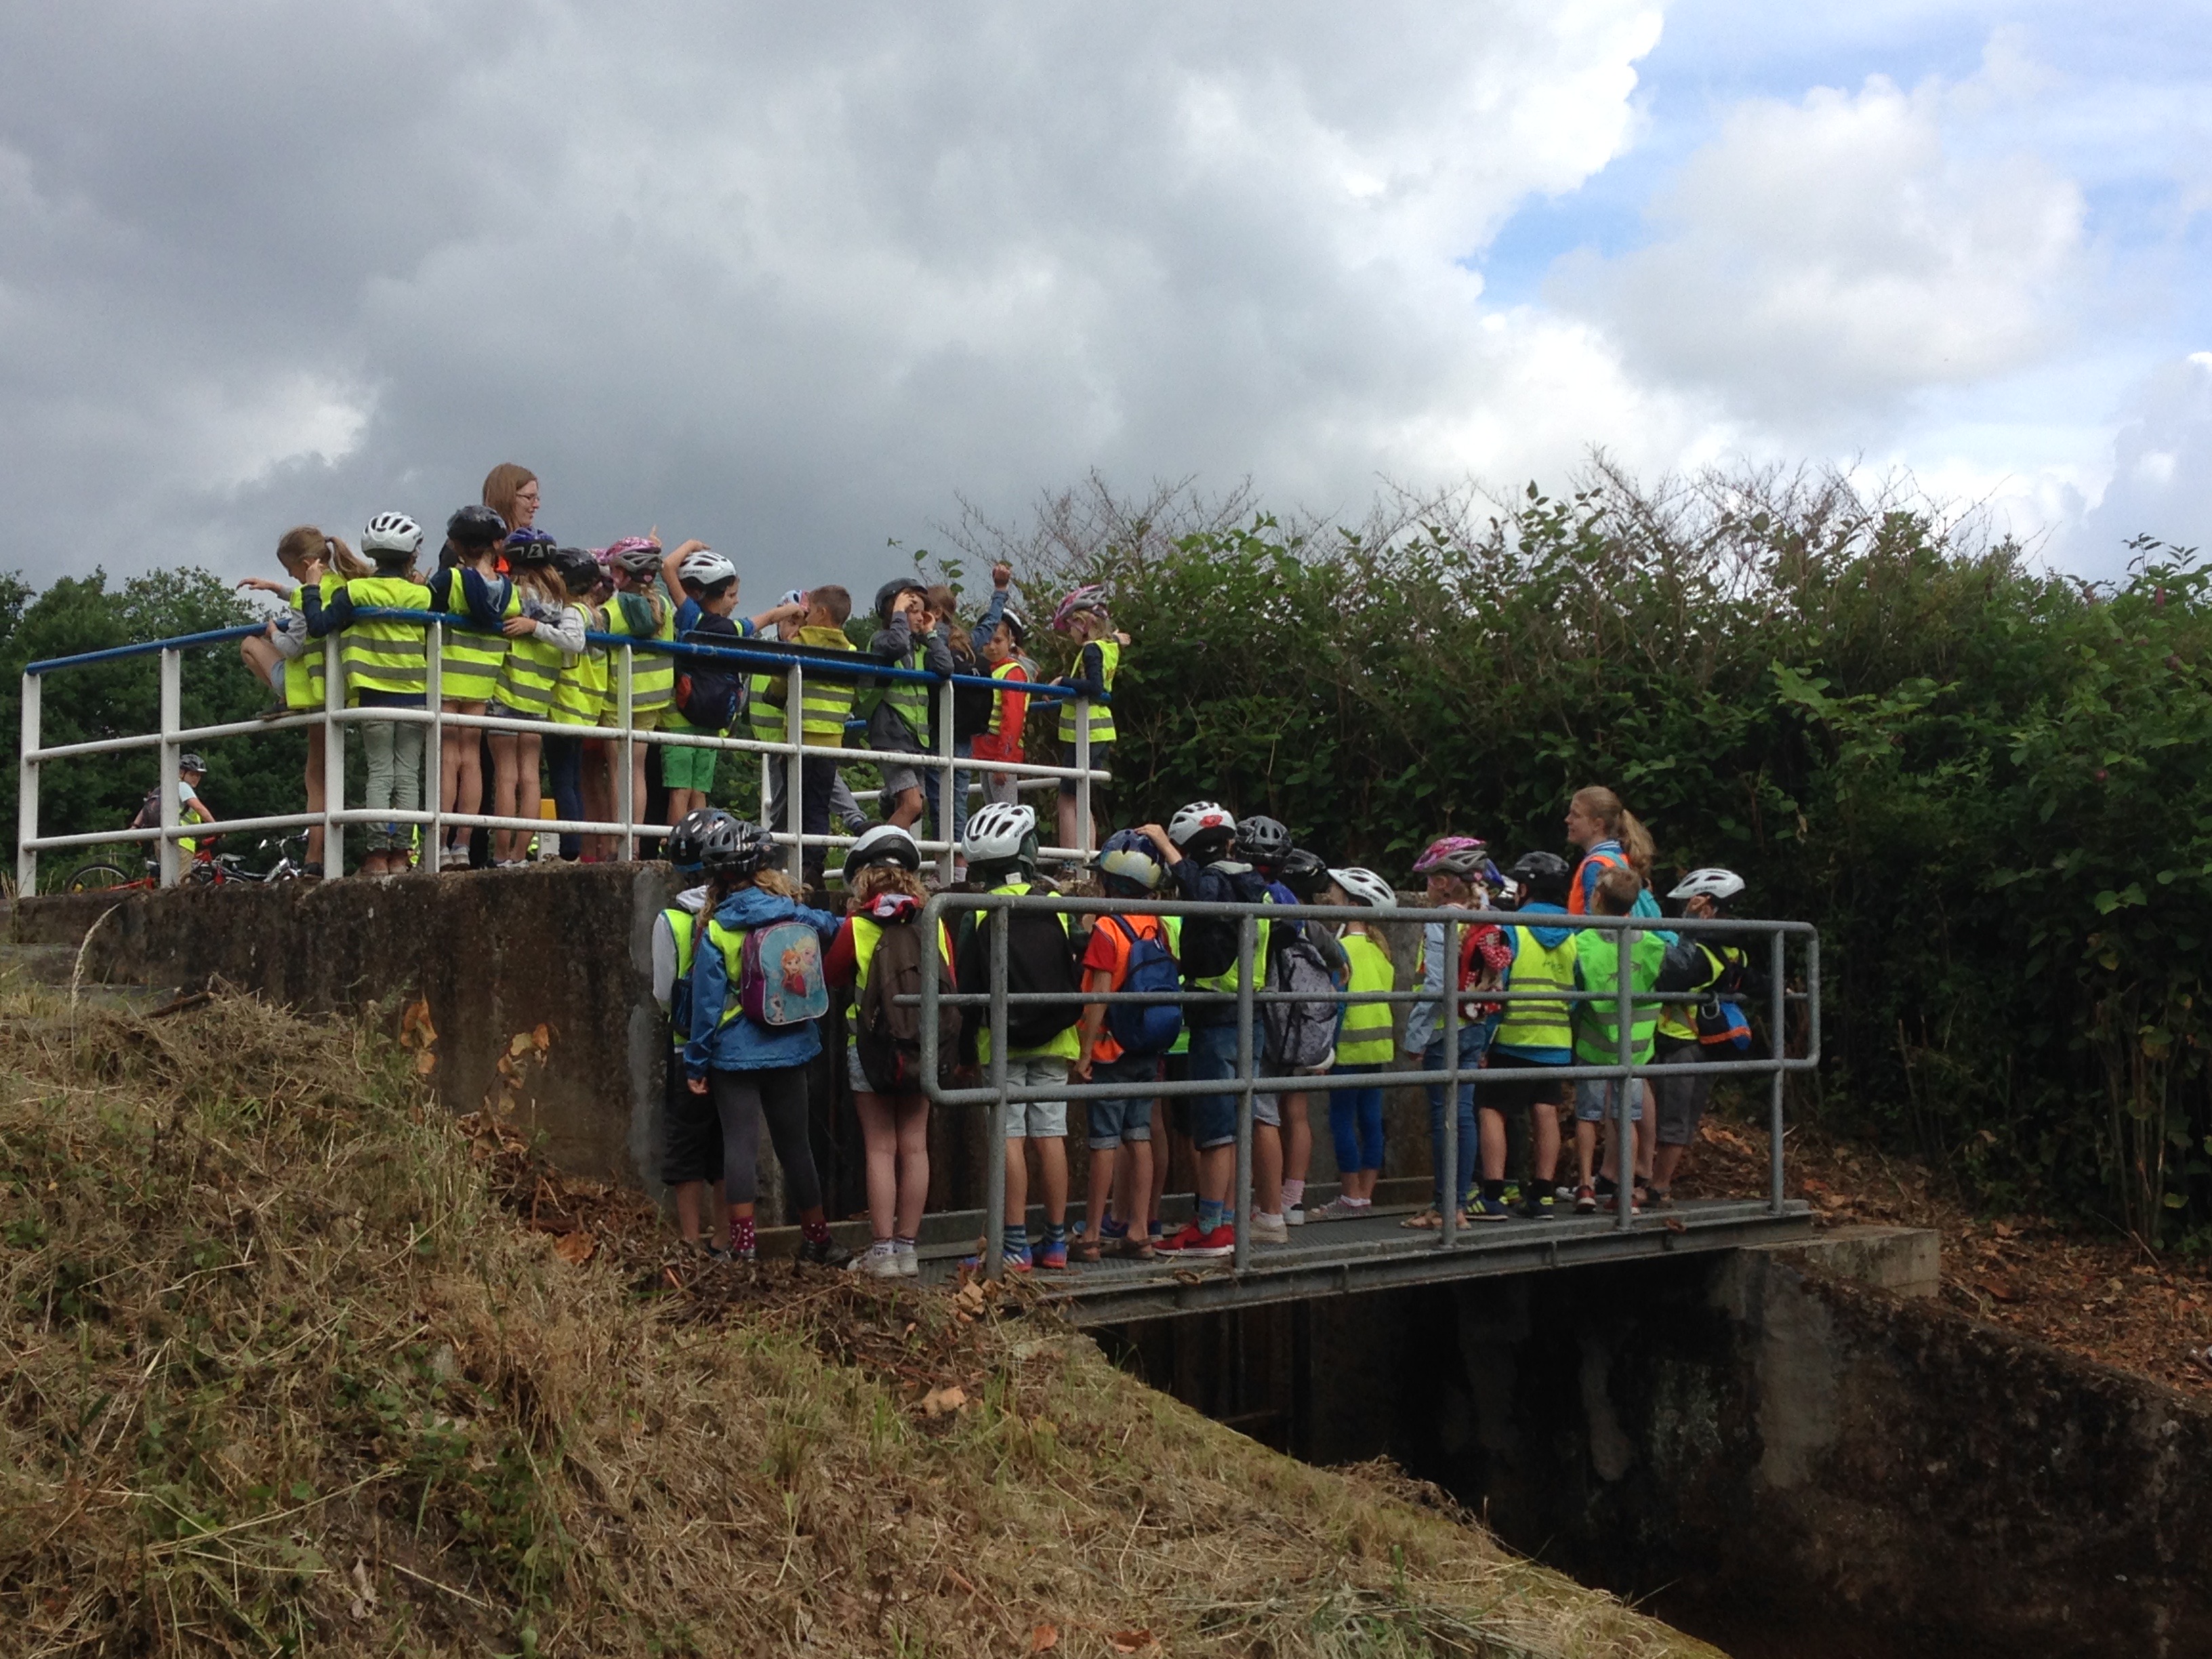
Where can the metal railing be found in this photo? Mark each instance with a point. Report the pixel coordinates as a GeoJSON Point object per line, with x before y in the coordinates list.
{"type": "Point", "coordinates": [1249, 993]}
{"type": "Point", "coordinates": [172, 736]}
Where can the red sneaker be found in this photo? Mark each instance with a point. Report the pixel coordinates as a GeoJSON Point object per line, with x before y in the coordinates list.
{"type": "Point", "coordinates": [1222, 1241]}
{"type": "Point", "coordinates": [1181, 1239]}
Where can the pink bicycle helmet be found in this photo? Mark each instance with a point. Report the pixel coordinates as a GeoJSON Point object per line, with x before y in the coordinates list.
{"type": "Point", "coordinates": [1090, 596]}
{"type": "Point", "coordinates": [1465, 856]}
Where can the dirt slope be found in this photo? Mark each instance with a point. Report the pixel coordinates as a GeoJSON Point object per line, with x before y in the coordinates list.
{"type": "Point", "coordinates": [294, 1364]}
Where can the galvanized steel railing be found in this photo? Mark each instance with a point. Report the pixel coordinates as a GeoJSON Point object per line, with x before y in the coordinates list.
{"type": "Point", "coordinates": [173, 735]}
{"type": "Point", "coordinates": [997, 1094]}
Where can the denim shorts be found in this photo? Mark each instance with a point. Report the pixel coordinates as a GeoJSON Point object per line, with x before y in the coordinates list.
{"type": "Point", "coordinates": [1112, 1121]}
{"type": "Point", "coordinates": [1596, 1101]}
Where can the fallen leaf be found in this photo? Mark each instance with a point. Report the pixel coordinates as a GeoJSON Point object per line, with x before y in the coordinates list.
{"type": "Point", "coordinates": [1129, 1641]}
{"type": "Point", "coordinates": [362, 1597]}
{"type": "Point", "coordinates": [1999, 1289]}
{"type": "Point", "coordinates": [541, 1038]}
{"type": "Point", "coordinates": [425, 1063]}
{"type": "Point", "coordinates": [520, 1045]}
{"type": "Point", "coordinates": [575, 1248]}
{"type": "Point", "coordinates": [1043, 1637]}
{"type": "Point", "coordinates": [415, 1031]}
{"type": "Point", "coordinates": [942, 1402]}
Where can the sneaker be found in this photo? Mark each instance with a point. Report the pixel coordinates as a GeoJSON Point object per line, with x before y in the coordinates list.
{"type": "Point", "coordinates": [1269, 1229]}
{"type": "Point", "coordinates": [275, 710]}
{"type": "Point", "coordinates": [876, 1261]}
{"type": "Point", "coordinates": [1537, 1206]}
{"type": "Point", "coordinates": [910, 1261]}
{"type": "Point", "coordinates": [824, 1253]}
{"type": "Point", "coordinates": [1111, 1229]}
{"type": "Point", "coordinates": [1488, 1209]}
{"type": "Point", "coordinates": [1294, 1215]}
{"type": "Point", "coordinates": [453, 858]}
{"type": "Point", "coordinates": [1180, 1240]}
{"type": "Point", "coordinates": [706, 1247]}
{"type": "Point", "coordinates": [1585, 1201]}
{"type": "Point", "coordinates": [1052, 1254]}
{"type": "Point", "coordinates": [1511, 1194]}
{"type": "Point", "coordinates": [1342, 1209]}
{"type": "Point", "coordinates": [1222, 1241]}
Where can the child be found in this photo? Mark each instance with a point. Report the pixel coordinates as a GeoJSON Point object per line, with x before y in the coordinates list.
{"type": "Point", "coordinates": [824, 704]}
{"type": "Point", "coordinates": [749, 1069]}
{"type": "Point", "coordinates": [384, 669]}
{"type": "Point", "coordinates": [884, 880]}
{"type": "Point", "coordinates": [1126, 869]}
{"type": "Point", "coordinates": [1460, 878]}
{"type": "Point", "coordinates": [311, 560]}
{"type": "Point", "coordinates": [1535, 1037]}
{"type": "Point", "coordinates": [692, 1152]}
{"type": "Point", "coordinates": [1717, 972]}
{"type": "Point", "coordinates": [579, 688]}
{"type": "Point", "coordinates": [471, 590]}
{"type": "Point", "coordinates": [637, 609]}
{"type": "Point", "coordinates": [1098, 649]}
{"type": "Point", "coordinates": [1282, 1136]}
{"type": "Point", "coordinates": [1001, 846]}
{"type": "Point", "coordinates": [704, 586]}
{"type": "Point", "coordinates": [973, 707]}
{"type": "Point", "coordinates": [543, 633]}
{"type": "Point", "coordinates": [911, 638]}
{"type": "Point", "coordinates": [1200, 846]}
{"type": "Point", "coordinates": [1001, 740]}
{"type": "Point", "coordinates": [1364, 1045]}
{"type": "Point", "coordinates": [1597, 1027]}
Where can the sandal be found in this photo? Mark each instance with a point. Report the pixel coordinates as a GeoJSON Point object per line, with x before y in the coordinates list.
{"type": "Point", "coordinates": [1084, 1250]}
{"type": "Point", "coordinates": [1427, 1221]}
{"type": "Point", "coordinates": [1139, 1250]}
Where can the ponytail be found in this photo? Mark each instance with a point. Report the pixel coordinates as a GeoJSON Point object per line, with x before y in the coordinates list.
{"type": "Point", "coordinates": [1637, 844]}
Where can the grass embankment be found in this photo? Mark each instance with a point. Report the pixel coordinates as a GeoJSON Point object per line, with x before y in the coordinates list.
{"type": "Point", "coordinates": [288, 1369]}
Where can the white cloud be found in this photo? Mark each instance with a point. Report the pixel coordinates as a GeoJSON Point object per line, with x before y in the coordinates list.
{"type": "Point", "coordinates": [1823, 259]}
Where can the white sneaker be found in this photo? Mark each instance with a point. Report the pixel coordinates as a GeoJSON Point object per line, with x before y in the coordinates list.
{"type": "Point", "coordinates": [910, 1263]}
{"type": "Point", "coordinates": [876, 1261]}
{"type": "Point", "coordinates": [1270, 1228]}
{"type": "Point", "coordinates": [1342, 1209]}
{"type": "Point", "coordinates": [1294, 1215]}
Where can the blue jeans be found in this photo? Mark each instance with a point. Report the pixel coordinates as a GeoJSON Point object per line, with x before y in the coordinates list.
{"type": "Point", "coordinates": [964, 747]}
{"type": "Point", "coordinates": [1212, 1059]}
{"type": "Point", "coordinates": [1355, 1120]}
{"type": "Point", "coordinates": [1472, 1041]}
{"type": "Point", "coordinates": [564, 767]}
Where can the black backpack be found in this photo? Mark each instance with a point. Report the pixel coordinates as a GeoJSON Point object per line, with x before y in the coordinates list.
{"type": "Point", "coordinates": [1040, 957]}
{"type": "Point", "coordinates": [1209, 943]}
{"type": "Point", "coordinates": [708, 690]}
{"type": "Point", "coordinates": [888, 1035]}
{"type": "Point", "coordinates": [971, 708]}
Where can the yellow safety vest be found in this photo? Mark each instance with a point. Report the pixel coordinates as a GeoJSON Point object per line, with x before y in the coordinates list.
{"type": "Point", "coordinates": [826, 703]}
{"type": "Point", "coordinates": [867, 933]}
{"type": "Point", "coordinates": [765, 718]}
{"type": "Point", "coordinates": [579, 686]}
{"type": "Point", "coordinates": [1102, 713]}
{"type": "Point", "coordinates": [1364, 1038]}
{"type": "Point", "coordinates": [384, 654]}
{"type": "Point", "coordinates": [469, 667]}
{"type": "Point", "coordinates": [684, 927]}
{"type": "Point", "coordinates": [1597, 1024]}
{"type": "Point", "coordinates": [652, 673]}
{"type": "Point", "coordinates": [1537, 1025]}
{"type": "Point", "coordinates": [303, 674]}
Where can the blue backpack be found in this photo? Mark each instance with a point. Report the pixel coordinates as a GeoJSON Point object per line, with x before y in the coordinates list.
{"type": "Point", "coordinates": [1145, 1029]}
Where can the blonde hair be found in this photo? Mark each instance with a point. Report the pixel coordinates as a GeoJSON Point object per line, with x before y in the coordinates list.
{"type": "Point", "coordinates": [782, 883]}
{"type": "Point", "coordinates": [1621, 825]}
{"type": "Point", "coordinates": [871, 880]}
{"type": "Point", "coordinates": [1617, 889]}
{"type": "Point", "coordinates": [501, 486]}
{"type": "Point", "coordinates": [304, 542]}
{"type": "Point", "coordinates": [1333, 893]}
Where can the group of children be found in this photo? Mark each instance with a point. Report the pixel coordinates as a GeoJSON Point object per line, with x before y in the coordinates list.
{"type": "Point", "coordinates": [745, 972]}
{"type": "Point", "coordinates": [521, 650]}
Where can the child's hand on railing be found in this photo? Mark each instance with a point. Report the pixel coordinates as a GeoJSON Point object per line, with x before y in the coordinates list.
{"type": "Point", "coordinates": [515, 627]}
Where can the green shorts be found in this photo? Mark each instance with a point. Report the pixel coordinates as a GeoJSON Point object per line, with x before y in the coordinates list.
{"type": "Point", "coordinates": [684, 766]}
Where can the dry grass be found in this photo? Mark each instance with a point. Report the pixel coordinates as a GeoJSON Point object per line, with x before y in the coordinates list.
{"type": "Point", "coordinates": [286, 1370]}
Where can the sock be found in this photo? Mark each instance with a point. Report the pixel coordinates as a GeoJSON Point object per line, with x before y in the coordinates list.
{"type": "Point", "coordinates": [741, 1234]}
{"type": "Point", "coordinates": [1357, 1203]}
{"type": "Point", "coordinates": [903, 1243]}
{"type": "Point", "coordinates": [882, 1247]}
{"type": "Point", "coordinates": [1494, 1190]}
{"type": "Point", "coordinates": [1018, 1238]}
{"type": "Point", "coordinates": [1294, 1193]}
{"type": "Point", "coordinates": [1055, 1232]}
{"type": "Point", "coordinates": [814, 1232]}
{"type": "Point", "coordinates": [1210, 1214]}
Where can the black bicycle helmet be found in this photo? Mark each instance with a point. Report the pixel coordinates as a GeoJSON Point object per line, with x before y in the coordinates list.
{"type": "Point", "coordinates": [189, 762]}
{"type": "Point", "coordinates": [475, 526]}
{"type": "Point", "coordinates": [529, 547]}
{"type": "Point", "coordinates": [735, 847]}
{"type": "Point", "coordinates": [887, 596]}
{"type": "Point", "coordinates": [1304, 873]}
{"type": "Point", "coordinates": [1264, 842]}
{"type": "Point", "coordinates": [686, 840]}
{"type": "Point", "coordinates": [1541, 877]}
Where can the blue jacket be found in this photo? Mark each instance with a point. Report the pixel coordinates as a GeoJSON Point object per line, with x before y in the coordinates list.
{"type": "Point", "coordinates": [738, 1044]}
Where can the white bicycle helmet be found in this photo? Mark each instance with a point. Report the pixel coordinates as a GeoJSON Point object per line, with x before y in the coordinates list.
{"type": "Point", "coordinates": [999, 833]}
{"type": "Point", "coordinates": [391, 533]}
{"type": "Point", "coordinates": [886, 843]}
{"type": "Point", "coordinates": [1365, 885]}
{"type": "Point", "coordinates": [707, 567]}
{"type": "Point", "coordinates": [1712, 882]}
{"type": "Point", "coordinates": [1197, 819]}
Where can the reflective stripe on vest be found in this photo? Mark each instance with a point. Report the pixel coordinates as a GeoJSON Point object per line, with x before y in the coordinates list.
{"type": "Point", "coordinates": [1102, 713]}
{"type": "Point", "coordinates": [1226, 980]}
{"type": "Point", "coordinates": [1538, 1024]}
{"type": "Point", "coordinates": [303, 674]}
{"type": "Point", "coordinates": [1365, 1037]}
{"type": "Point", "coordinates": [1597, 1024]}
{"type": "Point", "coordinates": [1174, 926]}
{"type": "Point", "coordinates": [765, 718]}
{"type": "Point", "coordinates": [652, 673]}
{"type": "Point", "coordinates": [824, 704]}
{"type": "Point", "coordinates": [580, 686]}
{"type": "Point", "coordinates": [683, 927]}
{"type": "Point", "coordinates": [384, 654]}
{"type": "Point", "coordinates": [730, 942]}
{"type": "Point", "coordinates": [469, 667]}
{"type": "Point", "coordinates": [525, 680]}
{"type": "Point", "coordinates": [909, 699]}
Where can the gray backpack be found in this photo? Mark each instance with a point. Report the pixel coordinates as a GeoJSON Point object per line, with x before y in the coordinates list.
{"type": "Point", "coordinates": [1301, 1035]}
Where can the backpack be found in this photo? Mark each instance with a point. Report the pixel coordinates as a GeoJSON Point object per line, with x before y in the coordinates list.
{"type": "Point", "coordinates": [1209, 943]}
{"type": "Point", "coordinates": [779, 979]}
{"type": "Point", "coordinates": [1301, 1036]}
{"type": "Point", "coordinates": [1719, 1020]}
{"type": "Point", "coordinates": [971, 704]}
{"type": "Point", "coordinates": [148, 816]}
{"type": "Point", "coordinates": [1040, 957]}
{"type": "Point", "coordinates": [710, 693]}
{"type": "Point", "coordinates": [887, 1036]}
{"type": "Point", "coordinates": [1142, 1029]}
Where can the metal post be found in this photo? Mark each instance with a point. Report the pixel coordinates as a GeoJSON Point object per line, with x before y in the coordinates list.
{"type": "Point", "coordinates": [1083, 807]}
{"type": "Point", "coordinates": [1240, 1195]}
{"type": "Point", "coordinates": [26, 792]}
{"type": "Point", "coordinates": [794, 771]}
{"type": "Point", "coordinates": [1812, 1055]}
{"type": "Point", "coordinates": [995, 1185]}
{"type": "Point", "coordinates": [626, 786]}
{"type": "Point", "coordinates": [333, 757]}
{"type": "Point", "coordinates": [949, 809]}
{"type": "Point", "coordinates": [173, 662]}
{"type": "Point", "coordinates": [1778, 1044]}
{"type": "Point", "coordinates": [1448, 1176]}
{"type": "Point", "coordinates": [1624, 1155]}
{"type": "Point", "coordinates": [433, 853]}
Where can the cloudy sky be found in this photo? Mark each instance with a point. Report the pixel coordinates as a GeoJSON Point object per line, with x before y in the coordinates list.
{"type": "Point", "coordinates": [796, 279]}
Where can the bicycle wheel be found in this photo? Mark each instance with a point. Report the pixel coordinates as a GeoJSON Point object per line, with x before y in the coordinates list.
{"type": "Point", "coordinates": [96, 878]}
